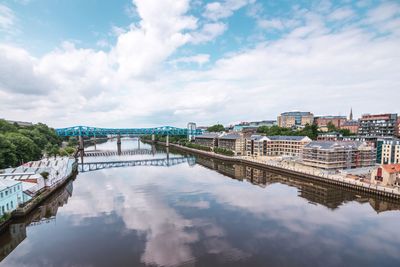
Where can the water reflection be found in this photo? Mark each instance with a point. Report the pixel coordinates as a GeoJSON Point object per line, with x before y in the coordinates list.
{"type": "Point", "coordinates": [45, 213]}
{"type": "Point", "coordinates": [212, 213]}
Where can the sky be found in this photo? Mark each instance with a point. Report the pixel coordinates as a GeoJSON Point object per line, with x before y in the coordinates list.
{"type": "Point", "coordinates": [145, 63]}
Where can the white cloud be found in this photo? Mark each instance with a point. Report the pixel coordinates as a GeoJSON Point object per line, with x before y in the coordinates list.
{"type": "Point", "coordinates": [341, 14]}
{"type": "Point", "coordinates": [208, 32]}
{"type": "Point", "coordinates": [219, 10]}
{"type": "Point", "coordinates": [271, 24]}
{"type": "Point", "coordinates": [134, 83]}
{"type": "Point", "coordinates": [7, 19]}
{"type": "Point", "coordinates": [199, 59]}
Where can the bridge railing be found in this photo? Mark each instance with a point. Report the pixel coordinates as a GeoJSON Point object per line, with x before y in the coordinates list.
{"type": "Point", "coordinates": [94, 131]}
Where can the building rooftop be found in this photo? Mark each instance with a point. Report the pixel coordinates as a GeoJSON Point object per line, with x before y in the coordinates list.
{"type": "Point", "coordinates": [209, 135]}
{"type": "Point", "coordinates": [232, 136]}
{"type": "Point", "coordinates": [334, 144]}
{"type": "Point", "coordinates": [5, 183]}
{"type": "Point", "coordinates": [286, 138]}
{"type": "Point", "coordinates": [392, 168]}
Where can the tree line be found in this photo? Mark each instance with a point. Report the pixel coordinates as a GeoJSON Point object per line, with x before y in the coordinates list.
{"type": "Point", "coordinates": [19, 144]}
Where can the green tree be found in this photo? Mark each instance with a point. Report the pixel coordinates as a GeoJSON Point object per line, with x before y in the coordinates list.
{"type": "Point", "coordinates": [25, 148]}
{"type": "Point", "coordinates": [7, 153]}
{"type": "Point", "coordinates": [216, 128]}
{"type": "Point", "coordinates": [331, 127]}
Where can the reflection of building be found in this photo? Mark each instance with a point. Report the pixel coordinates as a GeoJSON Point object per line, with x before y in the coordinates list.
{"type": "Point", "coordinates": [295, 119]}
{"type": "Point", "coordinates": [381, 206]}
{"type": "Point", "coordinates": [10, 238]}
{"type": "Point", "coordinates": [378, 125]}
{"type": "Point", "coordinates": [388, 151]}
{"type": "Point", "coordinates": [314, 191]}
{"type": "Point", "coordinates": [324, 121]}
{"type": "Point", "coordinates": [338, 155]}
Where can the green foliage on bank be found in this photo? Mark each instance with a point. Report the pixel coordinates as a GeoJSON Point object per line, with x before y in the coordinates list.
{"type": "Point", "coordinates": [19, 144]}
{"type": "Point", "coordinates": [309, 130]}
{"type": "Point", "coordinates": [216, 128]}
{"type": "Point", "coordinates": [197, 146]}
{"type": "Point", "coordinates": [223, 151]}
{"type": "Point", "coordinates": [5, 217]}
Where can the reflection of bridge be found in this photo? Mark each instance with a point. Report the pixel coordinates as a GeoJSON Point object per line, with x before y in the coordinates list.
{"type": "Point", "coordinates": [102, 153]}
{"type": "Point", "coordinates": [163, 162]}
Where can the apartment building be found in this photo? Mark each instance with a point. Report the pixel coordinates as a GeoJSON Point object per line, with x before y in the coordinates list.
{"type": "Point", "coordinates": [295, 119]}
{"type": "Point", "coordinates": [207, 139]}
{"type": "Point", "coordinates": [258, 145]}
{"type": "Point", "coordinates": [378, 125]}
{"type": "Point", "coordinates": [233, 141]}
{"type": "Point", "coordinates": [338, 155]}
{"type": "Point", "coordinates": [324, 121]}
{"type": "Point", "coordinates": [388, 151]}
{"type": "Point", "coordinates": [331, 136]}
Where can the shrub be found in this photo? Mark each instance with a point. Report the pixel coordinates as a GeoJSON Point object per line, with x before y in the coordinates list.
{"type": "Point", "coordinates": [45, 175]}
{"type": "Point", "coordinates": [223, 151]}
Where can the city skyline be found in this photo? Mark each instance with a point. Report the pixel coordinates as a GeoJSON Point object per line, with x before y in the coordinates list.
{"type": "Point", "coordinates": [146, 63]}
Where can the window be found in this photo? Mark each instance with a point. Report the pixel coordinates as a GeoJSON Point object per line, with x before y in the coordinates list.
{"type": "Point", "coordinates": [12, 205]}
{"type": "Point", "coordinates": [1, 194]}
{"type": "Point", "coordinates": [8, 207]}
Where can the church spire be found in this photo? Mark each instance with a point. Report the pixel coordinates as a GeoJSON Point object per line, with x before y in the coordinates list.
{"type": "Point", "coordinates": [351, 114]}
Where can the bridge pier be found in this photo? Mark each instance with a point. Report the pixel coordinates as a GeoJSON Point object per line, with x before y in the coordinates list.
{"type": "Point", "coordinates": [81, 147]}
{"type": "Point", "coordinates": [167, 141]}
{"type": "Point", "coordinates": [94, 140]}
{"type": "Point", "coordinates": [138, 142]}
{"type": "Point", "coordinates": [119, 144]}
{"type": "Point", "coordinates": [153, 138]}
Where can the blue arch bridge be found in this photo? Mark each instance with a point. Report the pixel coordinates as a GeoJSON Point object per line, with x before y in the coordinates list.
{"type": "Point", "coordinates": [85, 131]}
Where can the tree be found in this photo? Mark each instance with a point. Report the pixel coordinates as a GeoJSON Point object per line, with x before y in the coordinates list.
{"type": "Point", "coordinates": [216, 128]}
{"type": "Point", "coordinates": [7, 153]}
{"type": "Point", "coordinates": [331, 127]}
{"type": "Point", "coordinates": [25, 149]}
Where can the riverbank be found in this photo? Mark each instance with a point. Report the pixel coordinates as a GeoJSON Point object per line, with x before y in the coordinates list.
{"type": "Point", "coordinates": [321, 177]}
{"type": "Point", "coordinates": [38, 199]}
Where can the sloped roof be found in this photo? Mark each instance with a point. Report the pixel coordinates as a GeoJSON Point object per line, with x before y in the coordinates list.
{"type": "Point", "coordinates": [286, 138]}
{"type": "Point", "coordinates": [391, 168]}
{"type": "Point", "coordinates": [232, 136]}
{"type": "Point", "coordinates": [334, 144]}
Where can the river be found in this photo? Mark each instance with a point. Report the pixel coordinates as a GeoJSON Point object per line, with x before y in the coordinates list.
{"type": "Point", "coordinates": [201, 212]}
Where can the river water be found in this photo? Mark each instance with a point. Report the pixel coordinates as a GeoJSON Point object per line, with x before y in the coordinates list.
{"type": "Point", "coordinates": [191, 211]}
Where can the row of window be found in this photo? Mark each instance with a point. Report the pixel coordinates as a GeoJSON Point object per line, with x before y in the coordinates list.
{"type": "Point", "coordinates": [8, 207]}
{"type": "Point", "coordinates": [9, 191]}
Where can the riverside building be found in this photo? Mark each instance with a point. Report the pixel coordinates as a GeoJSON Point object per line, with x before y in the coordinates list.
{"type": "Point", "coordinates": [10, 195]}
{"type": "Point", "coordinates": [295, 119]}
{"type": "Point", "coordinates": [379, 125]}
{"type": "Point", "coordinates": [388, 174]}
{"type": "Point", "coordinates": [388, 151]}
{"type": "Point", "coordinates": [258, 145]}
{"type": "Point", "coordinates": [338, 155]}
{"type": "Point", "coordinates": [234, 142]}
{"type": "Point", "coordinates": [207, 139]}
